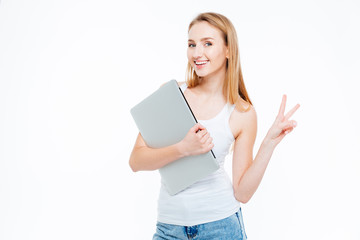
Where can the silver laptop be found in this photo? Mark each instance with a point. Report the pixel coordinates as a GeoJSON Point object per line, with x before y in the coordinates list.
{"type": "Point", "coordinates": [163, 119]}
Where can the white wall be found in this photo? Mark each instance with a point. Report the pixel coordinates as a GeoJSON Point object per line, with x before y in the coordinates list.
{"type": "Point", "coordinates": [71, 70]}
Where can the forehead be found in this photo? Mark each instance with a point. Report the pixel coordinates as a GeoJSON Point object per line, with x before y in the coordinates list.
{"type": "Point", "coordinates": [203, 30]}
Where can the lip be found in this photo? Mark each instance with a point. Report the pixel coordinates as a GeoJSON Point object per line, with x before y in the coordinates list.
{"type": "Point", "coordinates": [202, 65]}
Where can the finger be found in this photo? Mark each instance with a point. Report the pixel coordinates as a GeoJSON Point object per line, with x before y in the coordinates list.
{"type": "Point", "coordinates": [198, 127]}
{"type": "Point", "coordinates": [282, 106]}
{"type": "Point", "coordinates": [208, 141]}
{"type": "Point", "coordinates": [287, 131]}
{"type": "Point", "coordinates": [292, 111]}
{"type": "Point", "coordinates": [202, 133]}
{"type": "Point", "coordinates": [195, 127]}
{"type": "Point", "coordinates": [288, 124]}
{"type": "Point", "coordinates": [204, 137]}
{"type": "Point", "coordinates": [209, 147]}
{"type": "Point", "coordinates": [209, 144]}
{"type": "Point", "coordinates": [201, 126]}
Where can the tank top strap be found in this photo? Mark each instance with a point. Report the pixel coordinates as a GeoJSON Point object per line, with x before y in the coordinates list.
{"type": "Point", "coordinates": [183, 87]}
{"type": "Point", "coordinates": [230, 109]}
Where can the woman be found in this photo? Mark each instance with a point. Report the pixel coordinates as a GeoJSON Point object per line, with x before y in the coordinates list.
{"type": "Point", "coordinates": [216, 93]}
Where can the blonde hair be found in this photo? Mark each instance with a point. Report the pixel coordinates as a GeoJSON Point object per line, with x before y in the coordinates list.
{"type": "Point", "coordinates": [234, 83]}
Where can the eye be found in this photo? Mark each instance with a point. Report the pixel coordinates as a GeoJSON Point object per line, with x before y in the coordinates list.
{"type": "Point", "coordinates": [208, 44]}
{"type": "Point", "coordinates": [191, 45]}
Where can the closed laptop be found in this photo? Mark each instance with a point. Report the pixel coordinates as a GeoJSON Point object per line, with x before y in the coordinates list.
{"type": "Point", "coordinates": [163, 119]}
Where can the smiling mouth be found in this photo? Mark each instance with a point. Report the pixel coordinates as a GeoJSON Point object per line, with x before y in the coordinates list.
{"type": "Point", "coordinates": [200, 63]}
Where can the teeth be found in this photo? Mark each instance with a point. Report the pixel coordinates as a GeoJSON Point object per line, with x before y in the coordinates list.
{"type": "Point", "coordinates": [200, 63]}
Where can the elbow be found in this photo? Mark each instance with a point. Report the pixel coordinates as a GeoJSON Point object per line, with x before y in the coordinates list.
{"type": "Point", "coordinates": [241, 197]}
{"type": "Point", "coordinates": [243, 200]}
{"type": "Point", "coordinates": [133, 166]}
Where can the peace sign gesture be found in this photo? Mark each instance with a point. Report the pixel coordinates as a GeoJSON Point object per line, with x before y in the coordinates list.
{"type": "Point", "coordinates": [282, 124]}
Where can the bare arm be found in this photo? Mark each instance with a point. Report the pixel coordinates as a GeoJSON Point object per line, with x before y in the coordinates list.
{"type": "Point", "coordinates": [248, 173]}
{"type": "Point", "coordinates": [145, 158]}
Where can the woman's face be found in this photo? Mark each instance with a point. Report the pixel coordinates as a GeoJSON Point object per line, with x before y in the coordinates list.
{"type": "Point", "coordinates": [207, 52]}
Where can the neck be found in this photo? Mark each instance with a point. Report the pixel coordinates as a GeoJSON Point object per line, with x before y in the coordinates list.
{"type": "Point", "coordinates": [212, 85]}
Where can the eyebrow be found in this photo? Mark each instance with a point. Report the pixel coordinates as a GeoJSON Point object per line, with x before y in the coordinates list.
{"type": "Point", "coordinates": [203, 39]}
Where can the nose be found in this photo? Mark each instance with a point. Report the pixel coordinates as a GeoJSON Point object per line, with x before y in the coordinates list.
{"type": "Point", "coordinates": [199, 51]}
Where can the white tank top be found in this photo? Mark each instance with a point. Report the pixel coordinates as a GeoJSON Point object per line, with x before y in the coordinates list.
{"type": "Point", "coordinates": [211, 198]}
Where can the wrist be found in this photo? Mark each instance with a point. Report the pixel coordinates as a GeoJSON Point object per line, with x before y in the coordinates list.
{"type": "Point", "coordinates": [180, 149]}
{"type": "Point", "coordinates": [269, 143]}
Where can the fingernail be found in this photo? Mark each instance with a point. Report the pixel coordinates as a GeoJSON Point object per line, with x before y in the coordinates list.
{"type": "Point", "coordinates": [295, 124]}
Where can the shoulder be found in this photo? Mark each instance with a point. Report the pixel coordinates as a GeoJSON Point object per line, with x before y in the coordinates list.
{"type": "Point", "coordinates": [244, 118]}
{"type": "Point", "coordinates": [244, 109]}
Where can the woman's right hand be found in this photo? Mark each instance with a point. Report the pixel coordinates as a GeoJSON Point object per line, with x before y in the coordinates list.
{"type": "Point", "coordinates": [197, 141]}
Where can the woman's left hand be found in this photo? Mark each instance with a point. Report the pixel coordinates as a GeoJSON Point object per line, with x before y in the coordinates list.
{"type": "Point", "coordinates": [282, 125]}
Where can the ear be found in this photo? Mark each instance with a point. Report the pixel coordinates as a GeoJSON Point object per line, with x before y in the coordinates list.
{"type": "Point", "coordinates": [227, 52]}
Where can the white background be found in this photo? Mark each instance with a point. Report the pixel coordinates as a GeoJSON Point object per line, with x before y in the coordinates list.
{"type": "Point", "coordinates": [70, 71]}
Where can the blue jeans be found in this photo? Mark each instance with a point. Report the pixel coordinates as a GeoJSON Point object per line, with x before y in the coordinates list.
{"type": "Point", "coordinates": [230, 228]}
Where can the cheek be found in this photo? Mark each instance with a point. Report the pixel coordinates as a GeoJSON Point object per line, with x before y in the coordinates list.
{"type": "Point", "coordinates": [216, 56]}
{"type": "Point", "coordinates": [189, 55]}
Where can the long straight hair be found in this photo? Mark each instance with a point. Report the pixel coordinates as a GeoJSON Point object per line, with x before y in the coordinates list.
{"type": "Point", "coordinates": [234, 83]}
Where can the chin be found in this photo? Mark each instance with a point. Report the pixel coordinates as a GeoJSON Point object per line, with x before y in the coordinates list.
{"type": "Point", "coordinates": [201, 74]}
